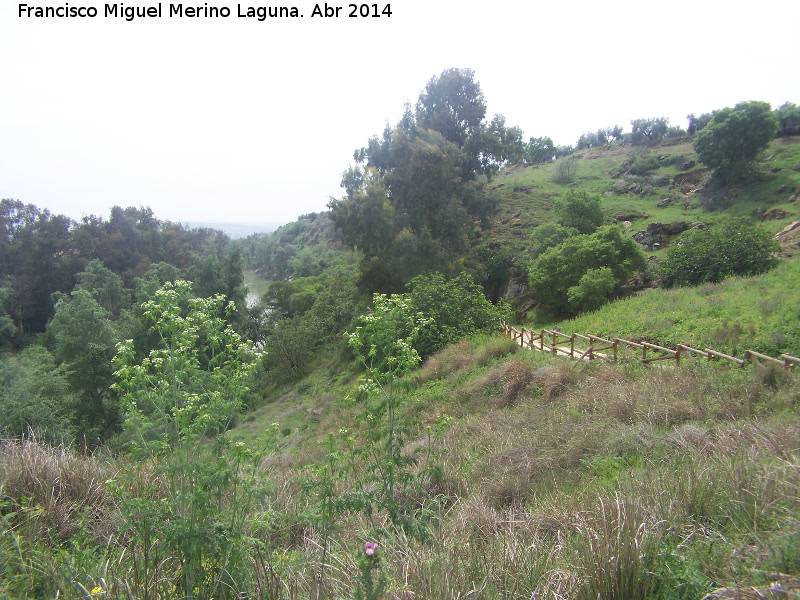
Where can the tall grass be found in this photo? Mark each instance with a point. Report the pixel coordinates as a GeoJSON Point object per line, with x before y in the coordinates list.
{"type": "Point", "coordinates": [609, 481]}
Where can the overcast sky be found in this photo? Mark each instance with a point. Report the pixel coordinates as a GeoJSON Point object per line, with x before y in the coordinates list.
{"type": "Point", "coordinates": [235, 119]}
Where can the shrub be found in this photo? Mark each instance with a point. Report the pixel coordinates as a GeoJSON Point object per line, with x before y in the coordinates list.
{"type": "Point", "coordinates": [554, 273]}
{"type": "Point", "coordinates": [547, 236]}
{"type": "Point", "coordinates": [581, 211]}
{"type": "Point", "coordinates": [734, 137]}
{"type": "Point", "coordinates": [642, 161]}
{"type": "Point", "coordinates": [733, 247]}
{"type": "Point", "coordinates": [565, 170]}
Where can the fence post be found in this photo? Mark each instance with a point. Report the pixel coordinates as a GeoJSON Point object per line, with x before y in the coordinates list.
{"type": "Point", "coordinates": [572, 346]}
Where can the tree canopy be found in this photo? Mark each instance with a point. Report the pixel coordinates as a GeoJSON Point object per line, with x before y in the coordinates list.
{"type": "Point", "coordinates": [734, 136]}
{"type": "Point", "coordinates": [416, 196]}
{"type": "Point", "coordinates": [584, 270]}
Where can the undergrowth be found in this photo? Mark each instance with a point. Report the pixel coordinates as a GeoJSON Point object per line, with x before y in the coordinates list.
{"type": "Point", "coordinates": [552, 478]}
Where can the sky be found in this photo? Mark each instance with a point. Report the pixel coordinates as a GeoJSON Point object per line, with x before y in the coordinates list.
{"type": "Point", "coordinates": [233, 119]}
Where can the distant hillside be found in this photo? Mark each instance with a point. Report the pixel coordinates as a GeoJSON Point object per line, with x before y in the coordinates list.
{"type": "Point", "coordinates": [302, 248]}
{"type": "Point", "coordinates": [654, 192]}
{"type": "Point", "coordinates": [237, 230]}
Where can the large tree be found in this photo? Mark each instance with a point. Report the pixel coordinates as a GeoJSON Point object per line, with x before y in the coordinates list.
{"type": "Point", "coordinates": [734, 136]}
{"type": "Point", "coordinates": [414, 200]}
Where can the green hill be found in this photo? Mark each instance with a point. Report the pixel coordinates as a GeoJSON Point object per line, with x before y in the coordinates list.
{"type": "Point", "coordinates": [325, 443]}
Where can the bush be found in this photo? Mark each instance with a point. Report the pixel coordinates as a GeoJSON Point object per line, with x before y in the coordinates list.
{"type": "Point", "coordinates": [547, 236]}
{"type": "Point", "coordinates": [580, 211]}
{"type": "Point", "coordinates": [436, 312]}
{"type": "Point", "coordinates": [732, 247]}
{"type": "Point", "coordinates": [582, 264]}
{"type": "Point", "coordinates": [458, 309]}
{"type": "Point", "coordinates": [734, 137]}
{"type": "Point", "coordinates": [565, 170]}
{"type": "Point", "coordinates": [642, 162]}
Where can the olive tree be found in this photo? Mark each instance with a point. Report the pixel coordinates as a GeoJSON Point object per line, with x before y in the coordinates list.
{"type": "Point", "coordinates": [734, 136]}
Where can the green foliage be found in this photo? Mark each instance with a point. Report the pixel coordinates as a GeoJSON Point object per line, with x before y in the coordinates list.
{"type": "Point", "coordinates": [642, 161]}
{"type": "Point", "coordinates": [105, 286]}
{"type": "Point", "coordinates": [581, 211]}
{"type": "Point", "coordinates": [82, 337]}
{"type": "Point", "coordinates": [565, 169]}
{"type": "Point", "coordinates": [554, 273]}
{"type": "Point", "coordinates": [452, 104]}
{"type": "Point", "coordinates": [697, 123]}
{"type": "Point", "coordinates": [304, 316]}
{"type": "Point", "coordinates": [35, 396]}
{"type": "Point", "coordinates": [788, 115]}
{"type": "Point", "coordinates": [388, 480]}
{"type": "Point", "coordinates": [193, 382]}
{"type": "Point", "coordinates": [734, 136]}
{"type": "Point", "coordinates": [194, 506]}
{"type": "Point", "coordinates": [592, 290]}
{"type": "Point", "coordinates": [758, 313]}
{"type": "Point", "coordinates": [418, 200]}
{"type": "Point", "coordinates": [370, 586]}
{"type": "Point", "coordinates": [649, 130]}
{"type": "Point", "coordinates": [384, 338]}
{"type": "Point", "coordinates": [732, 247]}
{"type": "Point", "coordinates": [539, 150]}
{"type": "Point", "coordinates": [436, 312]}
{"type": "Point", "coordinates": [546, 236]}
{"type": "Point", "coordinates": [455, 308]}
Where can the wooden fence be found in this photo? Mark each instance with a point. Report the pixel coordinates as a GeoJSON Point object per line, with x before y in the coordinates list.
{"type": "Point", "coordinates": [592, 347]}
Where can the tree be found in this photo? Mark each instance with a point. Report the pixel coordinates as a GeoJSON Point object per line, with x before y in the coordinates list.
{"type": "Point", "coordinates": [546, 236]}
{"type": "Point", "coordinates": [734, 137]}
{"type": "Point", "coordinates": [415, 200]}
{"type": "Point", "coordinates": [83, 341]}
{"type": "Point", "coordinates": [456, 308]}
{"type": "Point", "coordinates": [35, 396]}
{"type": "Point", "coordinates": [105, 286]}
{"type": "Point", "coordinates": [452, 104]}
{"type": "Point", "coordinates": [788, 119]}
{"type": "Point", "coordinates": [697, 123]}
{"type": "Point", "coordinates": [649, 130]}
{"type": "Point", "coordinates": [579, 210]}
{"type": "Point", "coordinates": [562, 268]}
{"type": "Point", "coordinates": [732, 247]}
{"type": "Point", "coordinates": [539, 150]}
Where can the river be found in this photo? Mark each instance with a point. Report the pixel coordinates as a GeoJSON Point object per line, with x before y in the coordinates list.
{"type": "Point", "coordinates": [256, 287]}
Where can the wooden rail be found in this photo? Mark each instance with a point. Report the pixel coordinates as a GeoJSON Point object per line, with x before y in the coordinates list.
{"type": "Point", "coordinates": [590, 347]}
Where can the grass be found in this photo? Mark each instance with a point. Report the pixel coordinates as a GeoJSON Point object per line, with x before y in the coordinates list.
{"type": "Point", "coordinates": [555, 479]}
{"type": "Point", "coordinates": [526, 193]}
{"type": "Point", "coordinates": [615, 480]}
{"type": "Point", "coordinates": [756, 313]}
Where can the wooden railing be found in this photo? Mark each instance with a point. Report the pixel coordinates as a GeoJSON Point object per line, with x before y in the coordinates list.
{"type": "Point", "coordinates": [592, 347]}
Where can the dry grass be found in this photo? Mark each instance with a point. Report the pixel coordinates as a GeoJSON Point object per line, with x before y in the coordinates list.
{"type": "Point", "coordinates": [463, 357]}
{"type": "Point", "coordinates": [65, 487]}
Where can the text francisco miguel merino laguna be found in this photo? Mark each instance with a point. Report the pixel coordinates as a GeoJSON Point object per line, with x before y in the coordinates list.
{"type": "Point", "coordinates": [129, 13]}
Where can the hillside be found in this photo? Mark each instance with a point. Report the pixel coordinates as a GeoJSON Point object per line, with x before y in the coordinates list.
{"type": "Point", "coordinates": [327, 442]}
{"type": "Point", "coordinates": [668, 187]}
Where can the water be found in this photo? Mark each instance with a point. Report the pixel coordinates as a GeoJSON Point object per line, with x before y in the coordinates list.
{"type": "Point", "coordinates": [256, 287]}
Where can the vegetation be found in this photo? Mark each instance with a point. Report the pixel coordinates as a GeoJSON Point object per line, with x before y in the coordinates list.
{"type": "Point", "coordinates": [584, 270]}
{"type": "Point", "coordinates": [412, 203]}
{"type": "Point", "coordinates": [733, 137]}
{"type": "Point", "coordinates": [732, 247]}
{"type": "Point", "coordinates": [162, 439]}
